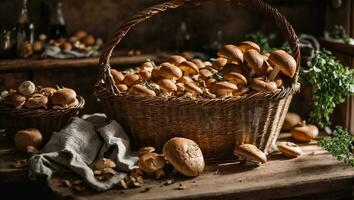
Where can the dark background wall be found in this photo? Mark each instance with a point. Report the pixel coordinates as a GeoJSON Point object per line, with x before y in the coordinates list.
{"type": "Point", "coordinates": [101, 17]}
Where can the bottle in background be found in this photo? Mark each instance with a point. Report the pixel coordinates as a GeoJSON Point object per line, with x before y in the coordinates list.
{"type": "Point", "coordinates": [24, 30]}
{"type": "Point", "coordinates": [57, 27]}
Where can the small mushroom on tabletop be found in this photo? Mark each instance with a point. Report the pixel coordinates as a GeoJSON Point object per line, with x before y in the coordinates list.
{"type": "Point", "coordinates": [304, 132]}
{"type": "Point", "coordinates": [189, 67]}
{"type": "Point", "coordinates": [66, 46]}
{"type": "Point", "coordinates": [170, 71]}
{"type": "Point", "coordinates": [26, 88]}
{"type": "Point", "coordinates": [64, 98]}
{"type": "Point", "coordinates": [247, 45]}
{"type": "Point", "coordinates": [37, 46]}
{"type": "Point", "coordinates": [118, 77]}
{"type": "Point", "coordinates": [281, 61]}
{"type": "Point", "coordinates": [104, 163]}
{"type": "Point", "coordinates": [144, 150]}
{"type": "Point", "coordinates": [151, 162]}
{"type": "Point", "coordinates": [224, 89]}
{"type": "Point", "coordinates": [232, 53]}
{"type": "Point", "coordinates": [131, 79]}
{"type": "Point", "coordinates": [219, 63]}
{"type": "Point", "coordinates": [88, 40]}
{"type": "Point", "coordinates": [16, 100]}
{"type": "Point", "coordinates": [176, 59]}
{"type": "Point", "coordinates": [47, 91]}
{"type": "Point", "coordinates": [255, 62]}
{"type": "Point", "coordinates": [291, 120]}
{"type": "Point", "coordinates": [28, 137]}
{"type": "Point", "coordinates": [80, 34]}
{"type": "Point", "coordinates": [289, 149]}
{"type": "Point", "coordinates": [184, 155]}
{"type": "Point", "coordinates": [141, 90]}
{"type": "Point", "coordinates": [36, 101]}
{"type": "Point", "coordinates": [250, 152]}
{"type": "Point", "coordinates": [261, 85]}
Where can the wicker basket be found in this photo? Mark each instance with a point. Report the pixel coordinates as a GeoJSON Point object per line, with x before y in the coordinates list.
{"type": "Point", "coordinates": [215, 124]}
{"type": "Point", "coordinates": [45, 120]}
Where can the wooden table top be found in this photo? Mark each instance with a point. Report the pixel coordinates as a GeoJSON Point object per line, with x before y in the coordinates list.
{"type": "Point", "coordinates": [316, 172]}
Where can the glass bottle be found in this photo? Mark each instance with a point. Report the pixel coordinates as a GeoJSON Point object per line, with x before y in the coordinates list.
{"type": "Point", "coordinates": [24, 30]}
{"type": "Point", "coordinates": [57, 27]}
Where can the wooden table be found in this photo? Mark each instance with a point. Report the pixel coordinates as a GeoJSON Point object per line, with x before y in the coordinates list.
{"type": "Point", "coordinates": [314, 175]}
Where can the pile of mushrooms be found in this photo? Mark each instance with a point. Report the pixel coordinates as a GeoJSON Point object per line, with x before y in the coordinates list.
{"type": "Point", "coordinates": [30, 96]}
{"type": "Point", "coordinates": [237, 70]}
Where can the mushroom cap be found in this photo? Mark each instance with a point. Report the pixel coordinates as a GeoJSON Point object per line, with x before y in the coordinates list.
{"type": "Point", "coordinates": [289, 149]}
{"type": "Point", "coordinates": [211, 82]}
{"type": "Point", "coordinates": [26, 88]}
{"type": "Point", "coordinates": [261, 85]}
{"type": "Point", "coordinates": [170, 71]}
{"type": "Point", "coordinates": [199, 63]}
{"type": "Point", "coordinates": [141, 90]}
{"type": "Point", "coordinates": [144, 150]}
{"type": "Point", "coordinates": [240, 91]}
{"type": "Point", "coordinates": [304, 133]}
{"type": "Point", "coordinates": [145, 74]}
{"type": "Point", "coordinates": [266, 55]}
{"type": "Point", "coordinates": [15, 99]}
{"type": "Point", "coordinates": [104, 163]}
{"type": "Point", "coordinates": [47, 91]}
{"type": "Point", "coordinates": [291, 120]}
{"type": "Point", "coordinates": [36, 101]}
{"type": "Point", "coordinates": [247, 45]}
{"type": "Point", "coordinates": [232, 67]}
{"type": "Point", "coordinates": [118, 77]}
{"type": "Point", "coordinates": [192, 88]}
{"type": "Point", "coordinates": [147, 65]}
{"type": "Point", "coordinates": [255, 61]}
{"type": "Point", "coordinates": [185, 79]}
{"type": "Point", "coordinates": [88, 40]}
{"type": "Point", "coordinates": [122, 87]}
{"type": "Point", "coordinates": [235, 78]}
{"type": "Point", "coordinates": [28, 137]}
{"type": "Point", "coordinates": [205, 73]}
{"type": "Point", "coordinates": [226, 86]}
{"type": "Point", "coordinates": [250, 152]}
{"type": "Point", "coordinates": [207, 63]}
{"type": "Point", "coordinates": [176, 59]}
{"type": "Point", "coordinates": [80, 34]}
{"type": "Point", "coordinates": [232, 53]}
{"type": "Point", "coordinates": [130, 79]}
{"type": "Point", "coordinates": [185, 156]}
{"type": "Point", "coordinates": [167, 85]}
{"type": "Point", "coordinates": [189, 67]}
{"type": "Point", "coordinates": [219, 63]}
{"type": "Point", "coordinates": [63, 96]}
{"type": "Point", "coordinates": [283, 61]}
{"type": "Point", "coordinates": [151, 162]}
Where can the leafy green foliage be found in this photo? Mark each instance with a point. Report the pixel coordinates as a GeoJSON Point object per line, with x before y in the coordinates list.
{"type": "Point", "coordinates": [218, 76]}
{"type": "Point", "coordinates": [332, 83]}
{"type": "Point", "coordinates": [340, 145]}
{"type": "Point", "coordinates": [340, 33]}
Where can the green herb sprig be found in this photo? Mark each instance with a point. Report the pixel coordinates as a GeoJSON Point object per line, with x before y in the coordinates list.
{"type": "Point", "coordinates": [340, 145]}
{"type": "Point", "coordinates": [332, 83]}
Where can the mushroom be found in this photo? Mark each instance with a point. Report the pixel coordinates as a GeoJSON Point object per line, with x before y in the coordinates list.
{"type": "Point", "coordinates": [247, 45]}
{"type": "Point", "coordinates": [141, 90]}
{"type": "Point", "coordinates": [208, 94]}
{"type": "Point", "coordinates": [147, 65]}
{"type": "Point", "coordinates": [185, 79]}
{"type": "Point", "coordinates": [118, 77]}
{"type": "Point", "coordinates": [166, 85]}
{"type": "Point", "coordinates": [47, 91]}
{"type": "Point", "coordinates": [180, 89]}
{"type": "Point", "coordinates": [28, 137]}
{"type": "Point", "coordinates": [231, 67]}
{"type": "Point", "coordinates": [88, 40]}
{"type": "Point", "coordinates": [16, 100]}
{"type": "Point", "coordinates": [176, 60]}
{"type": "Point", "coordinates": [185, 156]}
{"type": "Point", "coordinates": [232, 53]}
{"type": "Point", "coordinates": [151, 162]}
{"type": "Point", "coordinates": [80, 34]}
{"type": "Point", "coordinates": [192, 89]}
{"type": "Point", "coordinates": [199, 63]}
{"type": "Point", "coordinates": [66, 46]}
{"type": "Point", "coordinates": [211, 82]}
{"type": "Point", "coordinates": [131, 79]}
{"type": "Point", "coordinates": [205, 74]}
{"type": "Point", "coordinates": [240, 91]}
{"type": "Point", "coordinates": [279, 82]}
{"type": "Point", "coordinates": [291, 120]}
{"type": "Point", "coordinates": [281, 61]}
{"type": "Point", "coordinates": [189, 67]}
{"type": "Point", "coordinates": [36, 101]}
{"type": "Point", "coordinates": [145, 74]}
{"type": "Point", "coordinates": [255, 62]}
{"type": "Point", "coordinates": [26, 88]}
{"type": "Point", "coordinates": [104, 163]}
{"type": "Point", "coordinates": [261, 85]}
{"type": "Point", "coordinates": [289, 149]}
{"type": "Point", "coordinates": [219, 63]}
{"type": "Point", "coordinates": [207, 63]}
{"type": "Point", "coordinates": [170, 71]}
{"type": "Point", "coordinates": [144, 150]}
{"type": "Point", "coordinates": [266, 55]}
{"type": "Point", "coordinates": [304, 132]}
{"type": "Point", "coordinates": [64, 97]}
{"type": "Point", "coordinates": [235, 78]}
{"type": "Point", "coordinates": [122, 87]}
{"type": "Point", "coordinates": [250, 152]}
{"type": "Point", "coordinates": [224, 89]}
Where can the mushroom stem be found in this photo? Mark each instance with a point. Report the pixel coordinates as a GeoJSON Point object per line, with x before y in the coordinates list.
{"type": "Point", "coordinates": [252, 73]}
{"type": "Point", "coordinates": [273, 74]}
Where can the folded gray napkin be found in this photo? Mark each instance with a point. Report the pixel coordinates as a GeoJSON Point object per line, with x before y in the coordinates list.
{"type": "Point", "coordinates": [56, 52]}
{"type": "Point", "coordinates": [79, 144]}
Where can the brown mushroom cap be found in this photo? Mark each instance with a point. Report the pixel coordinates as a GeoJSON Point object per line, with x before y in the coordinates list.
{"type": "Point", "coordinates": [211, 82]}
{"type": "Point", "coordinates": [26, 88]}
{"type": "Point", "coordinates": [240, 91]}
{"type": "Point", "coordinates": [170, 71]}
{"type": "Point", "coordinates": [189, 67]}
{"type": "Point", "coordinates": [122, 87]}
{"type": "Point", "coordinates": [144, 150]}
{"type": "Point", "coordinates": [255, 62]}
{"type": "Point", "coordinates": [199, 63]}
{"type": "Point", "coordinates": [224, 89]}
{"type": "Point", "coordinates": [15, 99]}
{"type": "Point", "coordinates": [147, 65]}
{"type": "Point", "coordinates": [63, 96]}
{"type": "Point", "coordinates": [282, 61]}
{"type": "Point", "coordinates": [250, 152]}
{"type": "Point", "coordinates": [130, 79]}
{"type": "Point", "coordinates": [145, 74]}
{"type": "Point", "coordinates": [232, 67]}
{"type": "Point", "coordinates": [88, 40]}
{"type": "Point", "coordinates": [28, 137]}
{"type": "Point", "coordinates": [167, 85]}
{"type": "Point", "coordinates": [304, 132]}
{"type": "Point", "coordinates": [47, 91]}
{"type": "Point", "coordinates": [176, 60]}
{"type": "Point", "coordinates": [291, 120]}
{"type": "Point", "coordinates": [261, 85]}
{"type": "Point", "coordinates": [247, 45]}
{"type": "Point", "coordinates": [36, 101]}
{"type": "Point", "coordinates": [236, 78]}
{"type": "Point", "coordinates": [193, 88]}
{"type": "Point", "coordinates": [141, 90]}
{"type": "Point", "coordinates": [151, 162]}
{"type": "Point", "coordinates": [289, 149]}
{"type": "Point", "coordinates": [232, 53]}
{"type": "Point", "coordinates": [118, 77]}
{"type": "Point", "coordinates": [205, 74]}
{"type": "Point", "coordinates": [185, 156]}
{"type": "Point", "coordinates": [104, 163]}
{"type": "Point", "coordinates": [185, 79]}
{"type": "Point", "coordinates": [219, 63]}
{"type": "Point", "coordinates": [80, 34]}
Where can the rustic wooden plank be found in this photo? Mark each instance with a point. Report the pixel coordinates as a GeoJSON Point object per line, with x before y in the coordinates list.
{"type": "Point", "coordinates": [315, 172]}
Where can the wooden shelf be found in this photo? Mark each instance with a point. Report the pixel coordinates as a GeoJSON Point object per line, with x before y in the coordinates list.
{"type": "Point", "coordinates": [338, 47]}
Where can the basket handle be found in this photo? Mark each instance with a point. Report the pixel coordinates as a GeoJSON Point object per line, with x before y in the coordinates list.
{"type": "Point", "coordinates": [105, 84]}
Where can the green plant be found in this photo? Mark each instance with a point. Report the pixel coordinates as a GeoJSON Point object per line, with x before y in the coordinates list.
{"type": "Point", "coordinates": [332, 83]}
{"type": "Point", "coordinates": [262, 40]}
{"type": "Point", "coordinates": [340, 145]}
{"type": "Point", "coordinates": [340, 33]}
